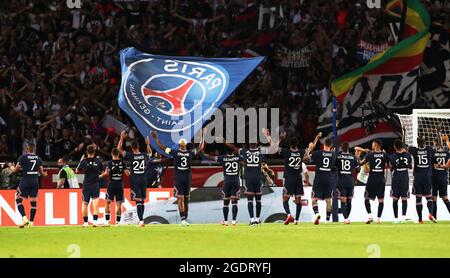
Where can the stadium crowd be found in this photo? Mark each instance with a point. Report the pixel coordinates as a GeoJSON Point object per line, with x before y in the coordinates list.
{"type": "Point", "coordinates": [60, 71]}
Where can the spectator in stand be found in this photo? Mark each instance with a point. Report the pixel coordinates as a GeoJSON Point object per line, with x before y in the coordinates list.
{"type": "Point", "coordinates": [60, 71]}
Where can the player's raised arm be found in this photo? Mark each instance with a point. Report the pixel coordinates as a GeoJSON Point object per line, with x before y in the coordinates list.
{"type": "Point", "coordinates": [446, 141]}
{"type": "Point", "coordinates": [202, 143]}
{"type": "Point", "coordinates": [404, 136]}
{"type": "Point", "coordinates": [438, 137]}
{"type": "Point", "coordinates": [149, 148]}
{"type": "Point", "coordinates": [311, 147]}
{"type": "Point", "coordinates": [228, 145]}
{"type": "Point", "coordinates": [77, 170]}
{"type": "Point", "coordinates": [208, 156]}
{"type": "Point", "coordinates": [273, 144]}
{"type": "Point", "coordinates": [123, 135]}
{"type": "Point", "coordinates": [155, 137]}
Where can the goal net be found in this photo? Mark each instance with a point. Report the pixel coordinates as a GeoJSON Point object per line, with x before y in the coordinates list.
{"type": "Point", "coordinates": [425, 122]}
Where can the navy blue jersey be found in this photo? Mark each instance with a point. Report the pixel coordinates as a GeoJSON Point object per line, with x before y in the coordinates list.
{"type": "Point", "coordinates": [182, 160]}
{"type": "Point", "coordinates": [30, 164]}
{"type": "Point", "coordinates": [400, 163]}
{"type": "Point", "coordinates": [92, 168]}
{"type": "Point", "coordinates": [230, 164]}
{"type": "Point", "coordinates": [292, 161]}
{"type": "Point", "coordinates": [252, 158]}
{"type": "Point", "coordinates": [346, 162]}
{"type": "Point", "coordinates": [138, 162]}
{"type": "Point", "coordinates": [325, 162]}
{"type": "Point", "coordinates": [116, 169]}
{"type": "Point", "coordinates": [422, 159]}
{"type": "Point", "coordinates": [377, 163]}
{"type": "Point", "coordinates": [440, 157]}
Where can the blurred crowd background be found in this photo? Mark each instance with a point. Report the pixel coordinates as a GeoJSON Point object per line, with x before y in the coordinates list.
{"type": "Point", "coordinates": [60, 71]}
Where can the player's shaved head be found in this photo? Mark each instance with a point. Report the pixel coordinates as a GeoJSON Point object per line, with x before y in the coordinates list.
{"type": "Point", "coordinates": [328, 142]}
{"type": "Point", "coordinates": [376, 144]}
{"type": "Point", "coordinates": [115, 152]}
{"type": "Point", "coordinates": [135, 145]}
{"type": "Point", "coordinates": [421, 141]}
{"type": "Point", "coordinates": [90, 149]}
{"type": "Point", "coordinates": [345, 147]}
{"type": "Point", "coordinates": [293, 143]}
{"type": "Point", "coordinates": [398, 144]}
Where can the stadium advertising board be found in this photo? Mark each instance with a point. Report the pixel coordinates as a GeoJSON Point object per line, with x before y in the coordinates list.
{"type": "Point", "coordinates": [59, 207]}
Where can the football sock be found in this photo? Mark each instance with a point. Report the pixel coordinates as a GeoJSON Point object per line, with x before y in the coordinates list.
{"type": "Point", "coordinates": [32, 211]}
{"type": "Point", "coordinates": [315, 209]}
{"type": "Point", "coordinates": [250, 206]}
{"type": "Point", "coordinates": [234, 209]}
{"type": "Point", "coordinates": [258, 205]}
{"type": "Point", "coordinates": [380, 209]}
{"type": "Point", "coordinates": [349, 207]}
{"type": "Point", "coordinates": [328, 215]}
{"type": "Point", "coordinates": [344, 209]}
{"type": "Point", "coordinates": [118, 219]}
{"type": "Point", "coordinates": [435, 209]}
{"type": "Point", "coordinates": [226, 209]}
{"type": "Point", "coordinates": [95, 216]}
{"type": "Point", "coordinates": [107, 217]}
{"type": "Point", "coordinates": [298, 210]}
{"type": "Point", "coordinates": [140, 211]}
{"type": "Point", "coordinates": [368, 208]}
{"type": "Point", "coordinates": [447, 204]}
{"type": "Point", "coordinates": [419, 207]}
{"type": "Point", "coordinates": [85, 219]}
{"type": "Point", "coordinates": [186, 206]}
{"type": "Point", "coordinates": [430, 205]}
{"type": "Point", "coordinates": [395, 206]}
{"type": "Point", "coordinates": [20, 207]}
{"type": "Point", "coordinates": [286, 206]}
{"type": "Point", "coordinates": [404, 207]}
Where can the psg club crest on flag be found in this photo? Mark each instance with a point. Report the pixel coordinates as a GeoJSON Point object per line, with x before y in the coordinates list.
{"type": "Point", "coordinates": [177, 94]}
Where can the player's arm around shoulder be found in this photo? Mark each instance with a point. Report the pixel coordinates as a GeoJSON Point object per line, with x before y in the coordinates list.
{"type": "Point", "coordinates": [159, 144]}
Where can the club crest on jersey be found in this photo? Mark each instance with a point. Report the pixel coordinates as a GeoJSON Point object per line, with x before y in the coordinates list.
{"type": "Point", "coordinates": [173, 95]}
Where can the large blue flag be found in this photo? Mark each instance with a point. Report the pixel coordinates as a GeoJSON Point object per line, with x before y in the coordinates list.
{"type": "Point", "coordinates": [175, 95]}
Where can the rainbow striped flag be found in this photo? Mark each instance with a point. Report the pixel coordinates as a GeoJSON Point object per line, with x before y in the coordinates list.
{"type": "Point", "coordinates": [402, 57]}
{"type": "Point", "coordinates": [388, 81]}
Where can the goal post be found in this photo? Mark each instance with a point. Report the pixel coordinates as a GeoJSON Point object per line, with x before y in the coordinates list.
{"type": "Point", "coordinates": [424, 122]}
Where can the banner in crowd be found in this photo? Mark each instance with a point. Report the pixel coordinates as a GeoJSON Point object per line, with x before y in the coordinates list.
{"type": "Point", "coordinates": [435, 70]}
{"type": "Point", "coordinates": [389, 79]}
{"type": "Point", "coordinates": [295, 58]}
{"type": "Point", "coordinates": [176, 95]}
{"type": "Point", "coordinates": [367, 50]}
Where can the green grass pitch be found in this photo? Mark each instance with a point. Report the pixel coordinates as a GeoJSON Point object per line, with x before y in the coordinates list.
{"type": "Point", "coordinates": [267, 240]}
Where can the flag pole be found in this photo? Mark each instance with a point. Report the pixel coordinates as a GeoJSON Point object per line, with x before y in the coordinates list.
{"type": "Point", "coordinates": [402, 21]}
{"type": "Point", "coordinates": [336, 146]}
